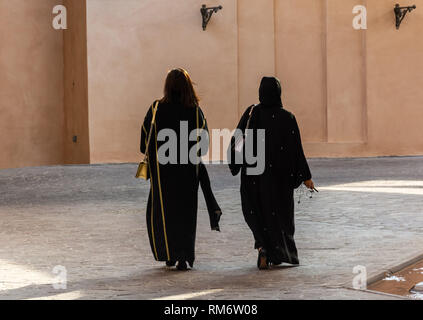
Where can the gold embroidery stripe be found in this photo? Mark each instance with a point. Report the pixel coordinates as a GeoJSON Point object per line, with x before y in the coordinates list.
{"type": "Point", "coordinates": [152, 206]}
{"type": "Point", "coordinates": [151, 213]}
{"type": "Point", "coordinates": [161, 198]}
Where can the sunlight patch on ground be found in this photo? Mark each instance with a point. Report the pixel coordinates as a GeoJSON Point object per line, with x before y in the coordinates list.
{"type": "Point", "coordinates": [73, 295]}
{"type": "Point", "coordinates": [187, 296]}
{"type": "Point", "coordinates": [14, 276]}
{"type": "Point", "coordinates": [410, 187]}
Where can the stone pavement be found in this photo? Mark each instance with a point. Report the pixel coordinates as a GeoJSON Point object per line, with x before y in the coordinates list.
{"type": "Point", "coordinates": [91, 220]}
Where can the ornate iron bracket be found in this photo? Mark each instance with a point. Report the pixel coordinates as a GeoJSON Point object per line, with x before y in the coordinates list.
{"type": "Point", "coordinates": [401, 12]}
{"type": "Point", "coordinates": [207, 14]}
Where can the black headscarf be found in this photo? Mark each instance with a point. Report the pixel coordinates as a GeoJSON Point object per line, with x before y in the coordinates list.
{"type": "Point", "coordinates": [270, 92]}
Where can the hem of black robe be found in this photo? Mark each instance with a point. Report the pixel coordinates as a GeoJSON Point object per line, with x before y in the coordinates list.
{"type": "Point", "coordinates": [284, 256]}
{"type": "Point", "coordinates": [188, 260]}
{"type": "Point", "coordinates": [292, 261]}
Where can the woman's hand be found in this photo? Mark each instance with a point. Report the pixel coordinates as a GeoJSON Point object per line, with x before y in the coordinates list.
{"type": "Point", "coordinates": [309, 184]}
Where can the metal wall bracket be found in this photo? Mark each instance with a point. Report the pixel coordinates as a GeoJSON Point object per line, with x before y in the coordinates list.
{"type": "Point", "coordinates": [401, 12]}
{"type": "Point", "coordinates": [207, 14]}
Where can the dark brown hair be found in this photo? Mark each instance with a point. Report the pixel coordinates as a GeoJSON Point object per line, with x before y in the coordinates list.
{"type": "Point", "coordinates": [179, 89]}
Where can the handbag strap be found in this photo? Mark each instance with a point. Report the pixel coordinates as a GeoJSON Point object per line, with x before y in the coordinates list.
{"type": "Point", "coordinates": [153, 120]}
{"type": "Point", "coordinates": [250, 116]}
{"type": "Point", "coordinates": [233, 143]}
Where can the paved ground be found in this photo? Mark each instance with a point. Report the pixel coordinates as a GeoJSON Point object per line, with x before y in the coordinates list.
{"type": "Point", "coordinates": [91, 220]}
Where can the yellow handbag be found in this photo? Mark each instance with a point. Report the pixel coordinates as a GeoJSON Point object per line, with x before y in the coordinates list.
{"type": "Point", "coordinates": [143, 172]}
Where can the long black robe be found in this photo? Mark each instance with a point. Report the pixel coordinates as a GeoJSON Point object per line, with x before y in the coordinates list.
{"type": "Point", "coordinates": [267, 199]}
{"type": "Point", "coordinates": [173, 199]}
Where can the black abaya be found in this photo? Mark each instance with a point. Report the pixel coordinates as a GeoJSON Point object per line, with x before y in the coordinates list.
{"type": "Point", "coordinates": [267, 199]}
{"type": "Point", "coordinates": [173, 198]}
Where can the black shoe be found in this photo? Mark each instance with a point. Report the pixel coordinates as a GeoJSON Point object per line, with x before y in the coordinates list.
{"type": "Point", "coordinates": [262, 262]}
{"type": "Point", "coordinates": [170, 263]}
{"type": "Point", "coordinates": [182, 266]}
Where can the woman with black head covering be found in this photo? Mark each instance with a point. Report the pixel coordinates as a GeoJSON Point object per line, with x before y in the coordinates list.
{"type": "Point", "coordinates": [267, 198]}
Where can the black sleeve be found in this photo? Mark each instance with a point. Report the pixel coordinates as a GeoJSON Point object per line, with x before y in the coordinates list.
{"type": "Point", "coordinates": [212, 206]}
{"type": "Point", "coordinates": [145, 128]}
{"type": "Point", "coordinates": [235, 168]}
{"type": "Point", "coordinates": [202, 124]}
{"type": "Point", "coordinates": [302, 165]}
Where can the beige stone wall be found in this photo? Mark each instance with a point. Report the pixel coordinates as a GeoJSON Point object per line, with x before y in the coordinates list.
{"type": "Point", "coordinates": [374, 79]}
{"type": "Point", "coordinates": [394, 81]}
{"type": "Point", "coordinates": [130, 50]}
{"type": "Point", "coordinates": [355, 93]}
{"type": "Point", "coordinates": [342, 84]}
{"type": "Point", "coordinates": [31, 84]}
